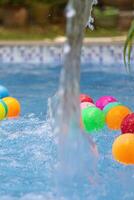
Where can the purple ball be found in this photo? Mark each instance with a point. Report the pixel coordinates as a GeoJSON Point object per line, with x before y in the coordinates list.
{"type": "Point", "coordinates": [103, 101]}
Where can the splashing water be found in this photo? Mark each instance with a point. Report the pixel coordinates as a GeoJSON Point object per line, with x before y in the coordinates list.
{"type": "Point", "coordinates": [28, 150]}
{"type": "Point", "coordinates": [75, 169]}
{"type": "Point", "coordinates": [76, 148]}
{"type": "Point", "coordinates": [77, 14]}
{"type": "Point", "coordinates": [91, 19]}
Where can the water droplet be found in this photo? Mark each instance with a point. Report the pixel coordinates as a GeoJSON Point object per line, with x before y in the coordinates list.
{"type": "Point", "coordinates": [70, 11]}
{"type": "Point", "coordinates": [95, 2]}
{"type": "Point", "coordinates": [67, 48]}
{"type": "Point", "coordinates": [90, 23]}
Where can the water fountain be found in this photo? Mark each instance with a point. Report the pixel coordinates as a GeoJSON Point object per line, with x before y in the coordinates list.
{"type": "Point", "coordinates": [77, 14]}
{"type": "Point", "coordinates": [76, 148]}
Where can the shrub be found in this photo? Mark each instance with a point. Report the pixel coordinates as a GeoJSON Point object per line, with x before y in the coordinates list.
{"type": "Point", "coordinates": [12, 2]}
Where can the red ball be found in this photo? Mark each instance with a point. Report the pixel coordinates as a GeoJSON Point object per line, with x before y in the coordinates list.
{"type": "Point", "coordinates": [85, 98]}
{"type": "Point", "coordinates": [127, 125]}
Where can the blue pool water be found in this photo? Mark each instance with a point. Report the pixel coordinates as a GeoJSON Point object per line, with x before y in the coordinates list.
{"type": "Point", "coordinates": [28, 146]}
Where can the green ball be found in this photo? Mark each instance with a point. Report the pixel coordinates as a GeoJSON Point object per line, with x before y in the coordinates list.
{"type": "Point", "coordinates": [110, 106]}
{"type": "Point", "coordinates": [93, 119]}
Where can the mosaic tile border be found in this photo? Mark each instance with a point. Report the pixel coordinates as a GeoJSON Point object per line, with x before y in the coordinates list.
{"type": "Point", "coordinates": [53, 54]}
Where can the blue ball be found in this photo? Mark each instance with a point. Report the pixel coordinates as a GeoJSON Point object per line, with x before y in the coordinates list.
{"type": "Point", "coordinates": [3, 92]}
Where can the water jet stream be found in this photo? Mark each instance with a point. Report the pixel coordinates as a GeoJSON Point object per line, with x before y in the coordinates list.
{"type": "Point", "coordinates": [77, 151]}
{"type": "Point", "coordinates": [77, 14]}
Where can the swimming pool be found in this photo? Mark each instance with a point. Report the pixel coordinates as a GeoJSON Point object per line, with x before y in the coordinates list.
{"type": "Point", "coordinates": [28, 145]}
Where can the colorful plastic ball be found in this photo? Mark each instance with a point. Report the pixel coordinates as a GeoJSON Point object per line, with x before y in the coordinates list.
{"type": "Point", "coordinates": [13, 107]}
{"type": "Point", "coordinates": [3, 92]}
{"type": "Point", "coordinates": [110, 106]}
{"type": "Point", "coordinates": [116, 115]}
{"type": "Point", "coordinates": [86, 105]}
{"type": "Point", "coordinates": [85, 98]}
{"type": "Point", "coordinates": [103, 101]}
{"type": "Point", "coordinates": [6, 108]}
{"type": "Point", "coordinates": [93, 119]}
{"type": "Point", "coordinates": [123, 148]}
{"type": "Point", "coordinates": [3, 110]}
{"type": "Point", "coordinates": [127, 125]}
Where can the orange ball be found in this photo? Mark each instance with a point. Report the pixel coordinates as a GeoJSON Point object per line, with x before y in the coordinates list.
{"type": "Point", "coordinates": [13, 107]}
{"type": "Point", "coordinates": [115, 116]}
{"type": "Point", "coordinates": [123, 149]}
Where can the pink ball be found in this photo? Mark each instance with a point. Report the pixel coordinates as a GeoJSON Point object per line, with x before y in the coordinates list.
{"type": "Point", "coordinates": [103, 101]}
{"type": "Point", "coordinates": [86, 104]}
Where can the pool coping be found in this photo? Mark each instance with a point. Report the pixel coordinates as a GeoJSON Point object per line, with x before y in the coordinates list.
{"type": "Point", "coordinates": [61, 40]}
{"type": "Point", "coordinates": [98, 51]}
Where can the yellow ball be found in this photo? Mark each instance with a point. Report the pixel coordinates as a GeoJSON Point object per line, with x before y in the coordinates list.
{"type": "Point", "coordinates": [3, 110]}
{"type": "Point", "coordinates": [115, 116]}
{"type": "Point", "coordinates": [123, 148]}
{"type": "Point", "coordinates": [13, 107]}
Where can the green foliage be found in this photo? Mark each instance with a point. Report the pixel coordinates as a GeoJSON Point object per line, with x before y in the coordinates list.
{"type": "Point", "coordinates": [12, 2]}
{"type": "Point", "coordinates": [51, 2]}
{"type": "Point", "coordinates": [108, 11]}
{"type": "Point", "coordinates": [128, 47]}
{"type": "Point", "coordinates": [2, 2]}
{"type": "Point", "coordinates": [28, 2]}
{"type": "Point", "coordinates": [106, 18]}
